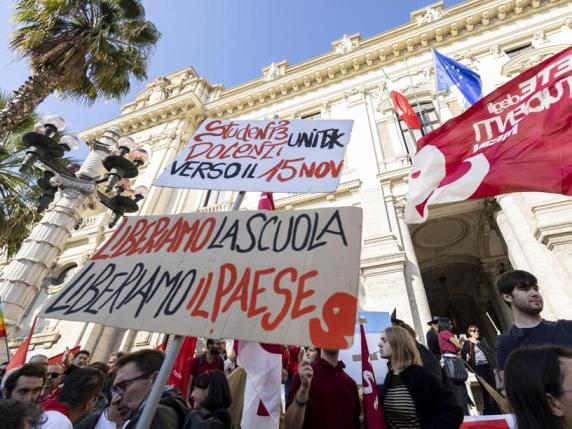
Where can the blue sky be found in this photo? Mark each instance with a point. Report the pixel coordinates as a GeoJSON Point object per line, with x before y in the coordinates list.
{"type": "Point", "coordinates": [226, 41]}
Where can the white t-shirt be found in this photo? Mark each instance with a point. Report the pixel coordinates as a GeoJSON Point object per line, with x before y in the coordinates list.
{"type": "Point", "coordinates": [55, 420]}
{"type": "Point", "coordinates": [104, 422]}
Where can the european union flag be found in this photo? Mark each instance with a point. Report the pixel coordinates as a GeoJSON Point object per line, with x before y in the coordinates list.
{"type": "Point", "coordinates": [449, 72]}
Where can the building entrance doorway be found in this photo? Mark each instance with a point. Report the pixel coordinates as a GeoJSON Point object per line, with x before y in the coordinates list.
{"type": "Point", "coordinates": [460, 255]}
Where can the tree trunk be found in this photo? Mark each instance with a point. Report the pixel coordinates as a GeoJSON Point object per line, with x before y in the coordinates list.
{"type": "Point", "coordinates": [25, 99]}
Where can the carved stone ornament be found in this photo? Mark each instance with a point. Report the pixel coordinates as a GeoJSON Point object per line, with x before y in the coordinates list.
{"type": "Point", "coordinates": [346, 44]}
{"type": "Point", "coordinates": [431, 14]}
{"type": "Point", "coordinates": [274, 71]}
{"type": "Point", "coordinates": [160, 90]}
{"type": "Point", "coordinates": [539, 38]}
{"type": "Point", "coordinates": [497, 52]}
{"type": "Point", "coordinates": [400, 207]}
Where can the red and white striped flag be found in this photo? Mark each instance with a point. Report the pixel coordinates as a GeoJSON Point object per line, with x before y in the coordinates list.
{"type": "Point", "coordinates": [263, 366]}
{"type": "Point", "coordinates": [373, 415]}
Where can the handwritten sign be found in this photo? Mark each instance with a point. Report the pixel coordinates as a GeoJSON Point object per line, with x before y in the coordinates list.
{"type": "Point", "coordinates": [273, 277]}
{"type": "Point", "coordinates": [273, 156]}
{"type": "Point", "coordinates": [374, 323]}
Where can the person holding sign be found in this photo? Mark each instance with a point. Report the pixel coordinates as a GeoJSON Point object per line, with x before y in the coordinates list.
{"type": "Point", "coordinates": [323, 395]}
{"type": "Point", "coordinates": [135, 376]}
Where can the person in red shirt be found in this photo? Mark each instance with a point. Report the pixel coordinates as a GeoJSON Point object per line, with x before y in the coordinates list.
{"type": "Point", "coordinates": [210, 360]}
{"type": "Point", "coordinates": [323, 395]}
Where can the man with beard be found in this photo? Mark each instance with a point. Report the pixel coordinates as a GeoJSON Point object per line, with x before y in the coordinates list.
{"type": "Point", "coordinates": [210, 360]}
{"type": "Point", "coordinates": [519, 289]}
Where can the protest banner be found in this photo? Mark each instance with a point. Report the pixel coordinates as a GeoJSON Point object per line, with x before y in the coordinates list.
{"type": "Point", "coordinates": [270, 156]}
{"type": "Point", "coordinates": [516, 139]}
{"type": "Point", "coordinates": [272, 277]}
{"type": "Point", "coordinates": [374, 322]}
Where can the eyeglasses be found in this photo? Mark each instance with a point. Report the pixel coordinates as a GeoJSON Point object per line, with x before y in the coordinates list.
{"type": "Point", "coordinates": [53, 374]}
{"type": "Point", "coordinates": [120, 388]}
{"type": "Point", "coordinates": [473, 330]}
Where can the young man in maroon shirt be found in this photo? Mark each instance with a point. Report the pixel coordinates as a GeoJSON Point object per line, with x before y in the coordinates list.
{"type": "Point", "coordinates": [323, 395]}
{"type": "Point", "coordinates": [210, 360]}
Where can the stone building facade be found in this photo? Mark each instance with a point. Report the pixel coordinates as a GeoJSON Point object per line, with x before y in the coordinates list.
{"type": "Point", "coordinates": [446, 266]}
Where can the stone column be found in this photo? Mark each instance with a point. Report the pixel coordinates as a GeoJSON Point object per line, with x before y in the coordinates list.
{"type": "Point", "coordinates": [93, 166]}
{"type": "Point", "coordinates": [25, 272]}
{"type": "Point", "coordinates": [534, 257]}
{"type": "Point", "coordinates": [420, 306]}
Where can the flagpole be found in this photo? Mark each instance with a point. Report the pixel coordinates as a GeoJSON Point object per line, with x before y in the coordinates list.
{"type": "Point", "coordinates": [436, 87]}
{"type": "Point", "coordinates": [172, 351]}
{"type": "Point", "coordinates": [416, 99]}
{"type": "Point", "coordinates": [396, 122]}
{"type": "Point", "coordinates": [7, 347]}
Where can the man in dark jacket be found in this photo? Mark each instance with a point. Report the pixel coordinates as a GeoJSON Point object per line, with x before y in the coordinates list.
{"type": "Point", "coordinates": [428, 358]}
{"type": "Point", "coordinates": [135, 377]}
{"type": "Point", "coordinates": [432, 337]}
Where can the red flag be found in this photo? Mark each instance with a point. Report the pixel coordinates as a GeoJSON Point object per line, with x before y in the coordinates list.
{"type": "Point", "coordinates": [266, 202]}
{"type": "Point", "coordinates": [180, 372]}
{"type": "Point", "coordinates": [373, 415]}
{"type": "Point", "coordinates": [19, 358]}
{"type": "Point", "coordinates": [59, 358]}
{"type": "Point", "coordinates": [404, 110]}
{"type": "Point", "coordinates": [2, 325]}
{"type": "Point", "coordinates": [516, 139]}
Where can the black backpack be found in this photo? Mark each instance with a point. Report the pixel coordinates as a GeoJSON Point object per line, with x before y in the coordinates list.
{"type": "Point", "coordinates": [201, 419]}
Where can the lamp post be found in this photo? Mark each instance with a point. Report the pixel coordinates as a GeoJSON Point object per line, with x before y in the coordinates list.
{"type": "Point", "coordinates": [67, 192]}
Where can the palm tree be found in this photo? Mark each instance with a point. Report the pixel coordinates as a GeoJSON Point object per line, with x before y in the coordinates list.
{"type": "Point", "coordinates": [17, 192]}
{"type": "Point", "coordinates": [81, 48]}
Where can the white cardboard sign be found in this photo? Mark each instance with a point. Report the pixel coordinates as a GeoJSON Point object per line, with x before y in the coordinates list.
{"type": "Point", "coordinates": [270, 156]}
{"type": "Point", "coordinates": [272, 277]}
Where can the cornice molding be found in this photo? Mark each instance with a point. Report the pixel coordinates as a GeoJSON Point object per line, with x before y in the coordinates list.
{"type": "Point", "coordinates": [465, 20]}
{"type": "Point", "coordinates": [178, 107]}
{"type": "Point", "coordinates": [460, 22]}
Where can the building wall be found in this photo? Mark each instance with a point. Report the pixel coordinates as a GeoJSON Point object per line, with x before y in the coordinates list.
{"type": "Point", "coordinates": [498, 38]}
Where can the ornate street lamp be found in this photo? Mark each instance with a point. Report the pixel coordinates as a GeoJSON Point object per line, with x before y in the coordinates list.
{"type": "Point", "coordinates": [43, 147]}
{"type": "Point", "coordinates": [67, 192]}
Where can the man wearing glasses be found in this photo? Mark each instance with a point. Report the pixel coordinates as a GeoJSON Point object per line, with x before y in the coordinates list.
{"type": "Point", "coordinates": [133, 382]}
{"type": "Point", "coordinates": [79, 394]}
{"type": "Point", "coordinates": [54, 377]}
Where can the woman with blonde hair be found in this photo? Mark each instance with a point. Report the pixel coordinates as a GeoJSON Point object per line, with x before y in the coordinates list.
{"type": "Point", "coordinates": [412, 396]}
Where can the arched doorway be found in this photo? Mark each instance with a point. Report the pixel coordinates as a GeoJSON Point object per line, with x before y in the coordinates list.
{"type": "Point", "coordinates": [460, 254]}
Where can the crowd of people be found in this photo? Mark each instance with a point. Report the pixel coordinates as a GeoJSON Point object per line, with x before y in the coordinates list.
{"type": "Point", "coordinates": [425, 387]}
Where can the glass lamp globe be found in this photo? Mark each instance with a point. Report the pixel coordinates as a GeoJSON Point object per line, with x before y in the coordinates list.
{"type": "Point", "coordinates": [56, 121]}
{"type": "Point", "coordinates": [140, 156]}
{"type": "Point", "coordinates": [127, 143]}
{"type": "Point", "coordinates": [141, 191]}
{"type": "Point", "coordinates": [71, 141]}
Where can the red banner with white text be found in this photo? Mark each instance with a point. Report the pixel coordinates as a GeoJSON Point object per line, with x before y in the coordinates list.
{"type": "Point", "coordinates": [516, 139]}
